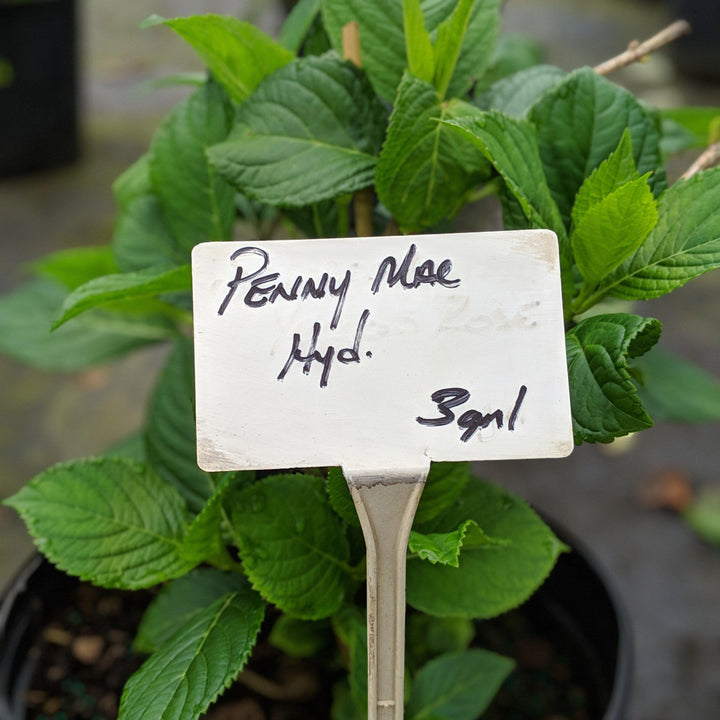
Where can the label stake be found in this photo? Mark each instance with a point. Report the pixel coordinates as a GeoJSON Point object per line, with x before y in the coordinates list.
{"type": "Point", "coordinates": [386, 503]}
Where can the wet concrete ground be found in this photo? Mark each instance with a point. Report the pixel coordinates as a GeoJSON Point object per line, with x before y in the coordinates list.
{"type": "Point", "coordinates": [669, 579]}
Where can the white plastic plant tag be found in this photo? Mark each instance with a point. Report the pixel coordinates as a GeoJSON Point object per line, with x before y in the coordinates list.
{"type": "Point", "coordinates": [380, 352]}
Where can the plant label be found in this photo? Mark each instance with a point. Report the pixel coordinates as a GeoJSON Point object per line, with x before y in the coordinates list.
{"type": "Point", "coordinates": [380, 352]}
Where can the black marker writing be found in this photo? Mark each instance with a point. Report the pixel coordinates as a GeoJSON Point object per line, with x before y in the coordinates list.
{"type": "Point", "coordinates": [267, 289]}
{"type": "Point", "coordinates": [344, 355]}
{"type": "Point", "coordinates": [471, 420]}
{"type": "Point", "coordinates": [425, 273]}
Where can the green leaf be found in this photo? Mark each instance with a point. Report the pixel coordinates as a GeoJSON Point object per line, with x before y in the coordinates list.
{"type": "Point", "coordinates": [143, 239]}
{"type": "Point", "coordinates": [425, 168]}
{"type": "Point", "coordinates": [298, 23]}
{"type": "Point", "coordinates": [292, 545]}
{"type": "Point", "coordinates": [26, 317]}
{"type": "Point", "coordinates": [445, 482]}
{"type": "Point", "coordinates": [383, 39]}
{"type": "Point", "coordinates": [301, 638]}
{"type": "Point", "coordinates": [444, 548]}
{"type": "Point", "coordinates": [580, 122]}
{"type": "Point", "coordinates": [685, 242]}
{"type": "Point", "coordinates": [605, 403]}
{"type": "Point", "coordinates": [180, 600]}
{"type": "Point", "coordinates": [340, 498]}
{"type": "Point", "coordinates": [181, 679]}
{"type": "Point", "coordinates": [418, 45]}
{"type": "Point", "coordinates": [124, 286]}
{"type": "Point", "coordinates": [350, 626]}
{"type": "Point", "coordinates": [133, 182]}
{"type": "Point", "coordinates": [450, 37]}
{"type": "Point", "coordinates": [238, 54]}
{"type": "Point", "coordinates": [457, 686]}
{"type": "Point", "coordinates": [76, 266]}
{"type": "Point", "coordinates": [703, 515]}
{"type": "Point", "coordinates": [310, 132]}
{"type": "Point", "coordinates": [490, 579]}
{"type": "Point", "coordinates": [109, 521]}
{"type": "Point", "coordinates": [198, 205]}
{"type": "Point", "coordinates": [613, 213]}
{"type": "Point", "coordinates": [673, 389]}
{"type": "Point", "coordinates": [170, 437]}
{"type": "Point", "coordinates": [515, 94]}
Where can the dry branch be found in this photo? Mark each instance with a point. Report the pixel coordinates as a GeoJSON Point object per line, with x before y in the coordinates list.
{"type": "Point", "coordinates": [639, 51]}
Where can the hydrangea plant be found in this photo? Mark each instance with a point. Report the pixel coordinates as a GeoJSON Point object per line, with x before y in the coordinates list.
{"type": "Point", "coordinates": [286, 138]}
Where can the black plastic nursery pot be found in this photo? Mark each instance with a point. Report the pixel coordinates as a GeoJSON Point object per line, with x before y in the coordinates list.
{"type": "Point", "coordinates": [38, 85]}
{"type": "Point", "coordinates": [576, 610]}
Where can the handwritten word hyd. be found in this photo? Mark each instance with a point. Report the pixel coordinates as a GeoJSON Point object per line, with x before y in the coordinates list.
{"type": "Point", "coordinates": [267, 289]}
{"type": "Point", "coordinates": [471, 420]}
{"type": "Point", "coordinates": [425, 273]}
{"type": "Point", "coordinates": [345, 356]}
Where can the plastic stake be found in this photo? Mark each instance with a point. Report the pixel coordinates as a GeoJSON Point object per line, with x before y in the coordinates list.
{"type": "Point", "coordinates": [386, 503]}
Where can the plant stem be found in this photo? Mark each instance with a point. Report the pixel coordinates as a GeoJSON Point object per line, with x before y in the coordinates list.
{"type": "Point", "coordinates": [639, 51]}
{"type": "Point", "coordinates": [710, 157]}
{"type": "Point", "coordinates": [363, 200]}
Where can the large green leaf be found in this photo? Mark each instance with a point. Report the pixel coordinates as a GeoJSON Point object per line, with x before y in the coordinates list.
{"type": "Point", "coordinates": [197, 204]}
{"type": "Point", "coordinates": [673, 389]}
{"type": "Point", "coordinates": [490, 579]}
{"type": "Point", "coordinates": [605, 403]}
{"type": "Point", "coordinates": [685, 242]}
{"type": "Point", "coordinates": [238, 54]}
{"type": "Point", "coordinates": [181, 679]}
{"type": "Point", "coordinates": [580, 122]}
{"type": "Point", "coordinates": [27, 315]}
{"type": "Point", "coordinates": [613, 213]}
{"type": "Point", "coordinates": [170, 437]}
{"type": "Point", "coordinates": [137, 285]}
{"type": "Point", "coordinates": [425, 168]}
{"type": "Point", "coordinates": [143, 239]}
{"type": "Point", "coordinates": [457, 686]}
{"type": "Point", "coordinates": [180, 600]}
{"type": "Point", "coordinates": [383, 39]}
{"type": "Point", "coordinates": [310, 132]}
{"type": "Point", "coordinates": [106, 520]}
{"type": "Point", "coordinates": [292, 545]}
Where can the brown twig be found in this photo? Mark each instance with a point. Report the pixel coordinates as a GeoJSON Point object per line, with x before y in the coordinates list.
{"type": "Point", "coordinates": [363, 200]}
{"type": "Point", "coordinates": [710, 157]}
{"type": "Point", "coordinates": [639, 51]}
